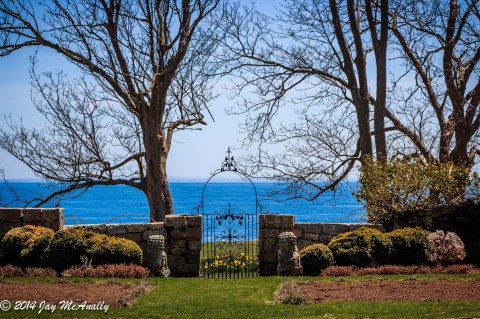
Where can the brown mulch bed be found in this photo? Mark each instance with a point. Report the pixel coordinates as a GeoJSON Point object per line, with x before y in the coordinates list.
{"type": "Point", "coordinates": [112, 293]}
{"type": "Point", "coordinates": [391, 290]}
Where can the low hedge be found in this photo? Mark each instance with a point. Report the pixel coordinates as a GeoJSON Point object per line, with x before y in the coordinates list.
{"type": "Point", "coordinates": [315, 258]}
{"type": "Point", "coordinates": [27, 246]}
{"type": "Point", "coordinates": [362, 247]}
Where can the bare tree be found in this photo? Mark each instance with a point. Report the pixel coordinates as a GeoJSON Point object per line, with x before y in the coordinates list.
{"type": "Point", "coordinates": [314, 53]}
{"type": "Point", "coordinates": [145, 76]}
{"type": "Point", "coordinates": [439, 43]}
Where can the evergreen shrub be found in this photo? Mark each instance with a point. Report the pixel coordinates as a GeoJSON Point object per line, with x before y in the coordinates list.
{"type": "Point", "coordinates": [408, 246]}
{"type": "Point", "coordinates": [315, 258]}
{"type": "Point", "coordinates": [27, 246]}
{"type": "Point", "coordinates": [104, 249]}
{"type": "Point", "coordinates": [36, 246]}
{"type": "Point", "coordinates": [70, 247]}
{"type": "Point", "coordinates": [362, 247]}
{"type": "Point", "coordinates": [67, 249]}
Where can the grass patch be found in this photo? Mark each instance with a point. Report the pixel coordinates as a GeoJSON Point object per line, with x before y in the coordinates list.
{"type": "Point", "coordinates": [288, 294]}
{"type": "Point", "coordinates": [248, 298]}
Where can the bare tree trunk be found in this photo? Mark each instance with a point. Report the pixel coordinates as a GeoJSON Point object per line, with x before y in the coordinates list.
{"type": "Point", "coordinates": [156, 184]}
{"type": "Point", "coordinates": [379, 113]}
{"type": "Point", "coordinates": [359, 89]}
{"type": "Point", "coordinates": [459, 154]}
{"type": "Point", "coordinates": [380, 48]}
{"type": "Point", "coordinates": [363, 118]}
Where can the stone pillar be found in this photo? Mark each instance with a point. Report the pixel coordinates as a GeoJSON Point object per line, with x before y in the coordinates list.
{"type": "Point", "coordinates": [270, 226]}
{"type": "Point", "coordinates": [157, 261]}
{"type": "Point", "coordinates": [184, 235]}
{"type": "Point", "coordinates": [288, 255]}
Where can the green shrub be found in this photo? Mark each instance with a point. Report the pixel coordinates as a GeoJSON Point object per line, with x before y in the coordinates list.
{"type": "Point", "coordinates": [67, 248]}
{"type": "Point", "coordinates": [27, 246]}
{"type": "Point", "coordinates": [105, 249]}
{"type": "Point", "coordinates": [70, 247]}
{"type": "Point", "coordinates": [315, 258]}
{"type": "Point", "coordinates": [408, 246]}
{"type": "Point", "coordinates": [362, 247]}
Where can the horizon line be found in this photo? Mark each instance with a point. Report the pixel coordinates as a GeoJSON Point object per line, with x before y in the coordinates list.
{"type": "Point", "coordinates": [178, 179]}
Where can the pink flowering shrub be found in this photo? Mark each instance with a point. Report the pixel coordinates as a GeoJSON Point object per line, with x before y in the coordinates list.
{"type": "Point", "coordinates": [444, 248]}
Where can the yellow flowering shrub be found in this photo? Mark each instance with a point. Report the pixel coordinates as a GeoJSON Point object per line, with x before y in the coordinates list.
{"type": "Point", "coordinates": [229, 264]}
{"type": "Point", "coordinates": [412, 184]}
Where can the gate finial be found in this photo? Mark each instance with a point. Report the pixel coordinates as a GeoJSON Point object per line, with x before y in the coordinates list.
{"type": "Point", "coordinates": [229, 163]}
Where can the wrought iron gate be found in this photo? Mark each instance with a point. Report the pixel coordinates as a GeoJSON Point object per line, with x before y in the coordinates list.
{"type": "Point", "coordinates": [229, 234]}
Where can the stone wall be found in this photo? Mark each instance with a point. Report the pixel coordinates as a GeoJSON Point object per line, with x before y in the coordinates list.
{"type": "Point", "coordinates": [270, 226]}
{"type": "Point", "coordinates": [183, 235]}
{"type": "Point", "coordinates": [17, 217]}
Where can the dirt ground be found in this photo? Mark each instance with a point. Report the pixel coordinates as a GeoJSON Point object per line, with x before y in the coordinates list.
{"type": "Point", "coordinates": [391, 290]}
{"type": "Point", "coordinates": [112, 293]}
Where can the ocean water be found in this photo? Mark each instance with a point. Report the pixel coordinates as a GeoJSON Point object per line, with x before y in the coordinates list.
{"type": "Point", "coordinates": [123, 204]}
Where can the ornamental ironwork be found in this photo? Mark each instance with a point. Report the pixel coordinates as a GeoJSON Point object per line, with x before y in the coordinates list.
{"type": "Point", "coordinates": [229, 163]}
{"type": "Point", "coordinates": [230, 234]}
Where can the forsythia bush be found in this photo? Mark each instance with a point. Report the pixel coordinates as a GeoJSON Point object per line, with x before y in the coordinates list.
{"type": "Point", "coordinates": [444, 248]}
{"type": "Point", "coordinates": [403, 185]}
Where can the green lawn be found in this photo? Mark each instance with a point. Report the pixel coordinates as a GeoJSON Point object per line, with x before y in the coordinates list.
{"type": "Point", "coordinates": [245, 298]}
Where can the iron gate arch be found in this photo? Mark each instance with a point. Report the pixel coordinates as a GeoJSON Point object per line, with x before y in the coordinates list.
{"type": "Point", "coordinates": [230, 235]}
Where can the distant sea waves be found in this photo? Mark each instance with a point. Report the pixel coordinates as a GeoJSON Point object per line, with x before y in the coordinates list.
{"type": "Point", "coordinates": [123, 204]}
